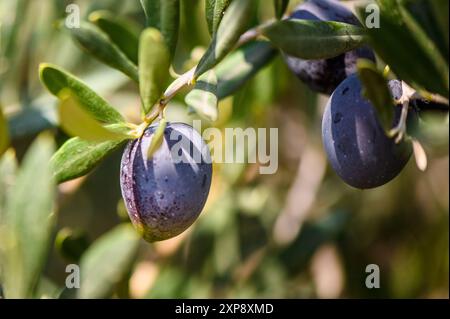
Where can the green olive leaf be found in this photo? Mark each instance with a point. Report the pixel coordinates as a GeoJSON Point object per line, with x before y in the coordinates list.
{"type": "Point", "coordinates": [203, 98]}
{"type": "Point", "coordinates": [98, 44]}
{"type": "Point", "coordinates": [77, 157]}
{"type": "Point", "coordinates": [280, 7]}
{"type": "Point", "coordinates": [154, 64]}
{"type": "Point", "coordinates": [121, 32]}
{"type": "Point", "coordinates": [107, 261]}
{"type": "Point", "coordinates": [440, 12]}
{"type": "Point", "coordinates": [56, 80]}
{"type": "Point", "coordinates": [214, 10]}
{"type": "Point", "coordinates": [164, 15]}
{"type": "Point", "coordinates": [401, 42]}
{"type": "Point", "coordinates": [233, 25]}
{"type": "Point", "coordinates": [157, 138]}
{"type": "Point", "coordinates": [76, 121]}
{"type": "Point", "coordinates": [432, 16]}
{"type": "Point", "coordinates": [8, 169]}
{"type": "Point", "coordinates": [314, 39]}
{"type": "Point", "coordinates": [241, 65]}
{"type": "Point", "coordinates": [376, 90]}
{"type": "Point", "coordinates": [4, 133]}
{"type": "Point", "coordinates": [28, 223]}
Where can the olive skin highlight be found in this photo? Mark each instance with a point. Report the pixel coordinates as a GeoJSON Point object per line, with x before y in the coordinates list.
{"type": "Point", "coordinates": [165, 193]}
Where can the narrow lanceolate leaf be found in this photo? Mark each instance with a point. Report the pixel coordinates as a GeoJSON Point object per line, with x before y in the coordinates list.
{"type": "Point", "coordinates": [314, 39]}
{"type": "Point", "coordinates": [400, 30]}
{"type": "Point", "coordinates": [56, 80]}
{"type": "Point", "coordinates": [107, 261]}
{"type": "Point", "coordinates": [280, 7]}
{"type": "Point", "coordinates": [29, 221]}
{"type": "Point", "coordinates": [75, 121]}
{"type": "Point", "coordinates": [97, 43]}
{"type": "Point", "coordinates": [8, 168]}
{"type": "Point", "coordinates": [4, 133]}
{"type": "Point", "coordinates": [121, 32]}
{"type": "Point", "coordinates": [233, 25]}
{"type": "Point", "coordinates": [78, 157]}
{"type": "Point", "coordinates": [214, 10]}
{"type": "Point", "coordinates": [203, 98]}
{"type": "Point", "coordinates": [377, 91]}
{"type": "Point", "coordinates": [164, 15]}
{"type": "Point", "coordinates": [157, 138]}
{"type": "Point", "coordinates": [154, 64]}
{"type": "Point", "coordinates": [241, 65]}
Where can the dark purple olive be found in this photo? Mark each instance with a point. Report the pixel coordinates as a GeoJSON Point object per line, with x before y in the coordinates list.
{"type": "Point", "coordinates": [164, 194]}
{"type": "Point", "coordinates": [325, 75]}
{"type": "Point", "coordinates": [357, 146]}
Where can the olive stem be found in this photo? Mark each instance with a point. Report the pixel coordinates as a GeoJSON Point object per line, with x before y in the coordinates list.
{"type": "Point", "coordinates": [436, 98]}
{"type": "Point", "coordinates": [188, 78]}
{"type": "Point", "coordinates": [399, 130]}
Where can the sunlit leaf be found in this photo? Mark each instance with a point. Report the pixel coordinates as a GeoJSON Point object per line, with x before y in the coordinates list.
{"type": "Point", "coordinates": [76, 121]}
{"type": "Point", "coordinates": [203, 98]}
{"type": "Point", "coordinates": [164, 15]}
{"type": "Point", "coordinates": [29, 221]}
{"type": "Point", "coordinates": [121, 32]}
{"type": "Point", "coordinates": [98, 44]}
{"type": "Point", "coordinates": [107, 261]}
{"type": "Point", "coordinates": [154, 66]}
{"type": "Point", "coordinates": [314, 39]}
{"type": "Point", "coordinates": [56, 80]}
{"type": "Point", "coordinates": [78, 157]}
{"type": "Point", "coordinates": [233, 25]}
{"type": "Point", "coordinates": [377, 91]}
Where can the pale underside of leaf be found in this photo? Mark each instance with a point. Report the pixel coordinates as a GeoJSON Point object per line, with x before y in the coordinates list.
{"type": "Point", "coordinates": [56, 80]}
{"type": "Point", "coordinates": [203, 98]}
{"type": "Point", "coordinates": [77, 122]}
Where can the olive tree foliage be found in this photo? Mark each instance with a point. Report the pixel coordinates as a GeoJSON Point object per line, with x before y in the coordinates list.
{"type": "Point", "coordinates": [411, 44]}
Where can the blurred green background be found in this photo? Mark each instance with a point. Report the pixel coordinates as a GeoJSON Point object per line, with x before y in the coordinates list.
{"type": "Point", "coordinates": [300, 233]}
